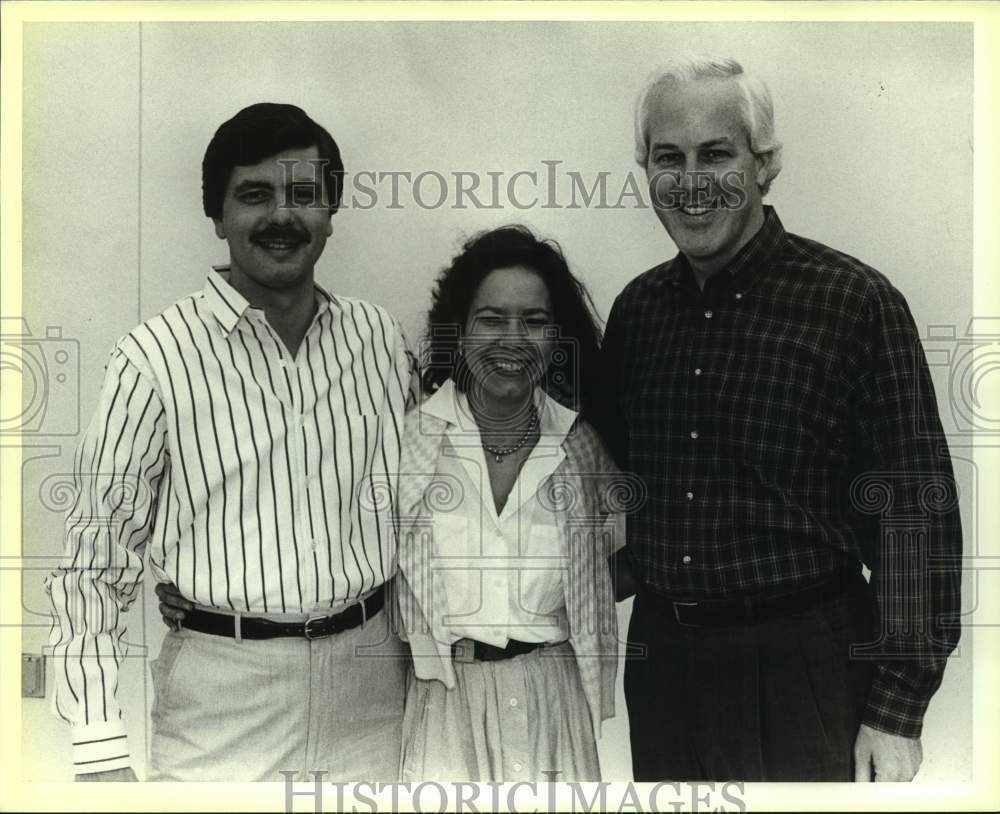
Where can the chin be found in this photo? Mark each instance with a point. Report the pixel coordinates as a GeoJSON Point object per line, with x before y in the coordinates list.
{"type": "Point", "coordinates": [511, 390]}
{"type": "Point", "coordinates": [699, 247]}
{"type": "Point", "coordinates": [283, 278]}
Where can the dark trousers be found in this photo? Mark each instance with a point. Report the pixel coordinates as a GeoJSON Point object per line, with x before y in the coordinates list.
{"type": "Point", "coordinates": [780, 700]}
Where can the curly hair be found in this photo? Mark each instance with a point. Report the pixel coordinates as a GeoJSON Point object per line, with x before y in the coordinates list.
{"type": "Point", "coordinates": [570, 377]}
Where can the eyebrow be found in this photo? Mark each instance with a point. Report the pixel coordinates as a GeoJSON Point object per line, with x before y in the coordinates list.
{"type": "Point", "coordinates": [710, 143]}
{"type": "Point", "coordinates": [494, 310]}
{"type": "Point", "coordinates": [255, 183]}
{"type": "Point", "coordinates": [250, 183]}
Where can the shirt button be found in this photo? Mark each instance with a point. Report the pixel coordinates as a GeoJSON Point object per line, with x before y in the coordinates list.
{"type": "Point", "coordinates": [697, 371]}
{"type": "Point", "coordinates": [516, 767]}
{"type": "Point", "coordinates": [689, 495]}
{"type": "Point", "coordinates": [513, 702]}
{"type": "Point", "coordinates": [694, 434]}
{"type": "Point", "coordinates": [686, 559]}
{"type": "Point", "coordinates": [739, 295]}
{"type": "Point", "coordinates": [708, 315]}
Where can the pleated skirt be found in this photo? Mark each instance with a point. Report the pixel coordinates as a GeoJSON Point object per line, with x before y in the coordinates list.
{"type": "Point", "coordinates": [524, 718]}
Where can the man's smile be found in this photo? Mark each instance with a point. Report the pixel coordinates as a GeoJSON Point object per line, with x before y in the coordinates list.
{"type": "Point", "coordinates": [697, 211]}
{"type": "Point", "coordinates": [280, 246]}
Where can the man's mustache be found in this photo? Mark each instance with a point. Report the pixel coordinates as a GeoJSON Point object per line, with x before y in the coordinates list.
{"type": "Point", "coordinates": [289, 233]}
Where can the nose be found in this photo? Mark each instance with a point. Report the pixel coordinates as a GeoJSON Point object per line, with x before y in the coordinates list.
{"type": "Point", "coordinates": [697, 182]}
{"type": "Point", "coordinates": [687, 178]}
{"type": "Point", "coordinates": [282, 209]}
{"type": "Point", "coordinates": [514, 329]}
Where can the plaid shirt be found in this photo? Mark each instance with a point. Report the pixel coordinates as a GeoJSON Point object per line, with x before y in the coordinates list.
{"type": "Point", "coordinates": [785, 425]}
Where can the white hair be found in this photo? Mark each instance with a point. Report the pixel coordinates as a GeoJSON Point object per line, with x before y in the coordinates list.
{"type": "Point", "coordinates": [756, 107]}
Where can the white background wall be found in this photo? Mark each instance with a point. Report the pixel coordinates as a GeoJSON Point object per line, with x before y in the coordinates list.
{"type": "Point", "coordinates": [876, 121]}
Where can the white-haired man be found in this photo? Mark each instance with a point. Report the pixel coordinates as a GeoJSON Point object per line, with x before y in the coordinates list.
{"type": "Point", "coordinates": [763, 385]}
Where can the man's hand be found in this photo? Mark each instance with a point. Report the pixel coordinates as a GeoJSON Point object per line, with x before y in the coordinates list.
{"type": "Point", "coordinates": [895, 758]}
{"type": "Point", "coordinates": [625, 581]}
{"type": "Point", "coordinates": [125, 775]}
{"type": "Point", "coordinates": [173, 606]}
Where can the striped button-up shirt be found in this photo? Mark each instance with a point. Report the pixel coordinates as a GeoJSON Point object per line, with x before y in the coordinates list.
{"type": "Point", "coordinates": [784, 422]}
{"type": "Point", "coordinates": [256, 481]}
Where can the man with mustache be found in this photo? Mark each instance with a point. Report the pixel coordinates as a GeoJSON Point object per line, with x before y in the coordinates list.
{"type": "Point", "coordinates": [773, 394]}
{"type": "Point", "coordinates": [245, 438]}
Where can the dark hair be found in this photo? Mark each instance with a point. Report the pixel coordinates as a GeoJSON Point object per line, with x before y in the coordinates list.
{"type": "Point", "coordinates": [259, 131]}
{"type": "Point", "coordinates": [570, 376]}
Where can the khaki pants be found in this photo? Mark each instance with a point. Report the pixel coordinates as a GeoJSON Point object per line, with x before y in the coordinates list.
{"type": "Point", "coordinates": [245, 711]}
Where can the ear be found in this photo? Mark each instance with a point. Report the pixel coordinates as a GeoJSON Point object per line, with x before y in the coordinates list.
{"type": "Point", "coordinates": [329, 225]}
{"type": "Point", "coordinates": [763, 161]}
{"type": "Point", "coordinates": [220, 230]}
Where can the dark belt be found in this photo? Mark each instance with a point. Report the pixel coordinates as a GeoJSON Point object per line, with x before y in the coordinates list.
{"type": "Point", "coordinates": [749, 610]}
{"type": "Point", "coordinates": [315, 627]}
{"type": "Point", "coordinates": [466, 651]}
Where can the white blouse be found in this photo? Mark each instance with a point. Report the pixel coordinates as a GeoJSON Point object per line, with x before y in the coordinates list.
{"type": "Point", "coordinates": [503, 575]}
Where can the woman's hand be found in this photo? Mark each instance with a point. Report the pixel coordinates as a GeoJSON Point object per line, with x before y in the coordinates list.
{"type": "Point", "coordinates": [173, 606]}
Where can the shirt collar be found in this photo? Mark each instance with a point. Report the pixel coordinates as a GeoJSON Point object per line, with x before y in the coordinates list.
{"type": "Point", "coordinates": [452, 407]}
{"type": "Point", "coordinates": [229, 306]}
{"type": "Point", "coordinates": [754, 256]}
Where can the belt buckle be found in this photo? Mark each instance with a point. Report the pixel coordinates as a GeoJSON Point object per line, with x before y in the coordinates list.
{"type": "Point", "coordinates": [677, 615]}
{"type": "Point", "coordinates": [464, 651]}
{"type": "Point", "coordinates": [307, 630]}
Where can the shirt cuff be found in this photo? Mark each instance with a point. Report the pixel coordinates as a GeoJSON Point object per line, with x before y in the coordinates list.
{"type": "Point", "coordinates": [894, 708]}
{"type": "Point", "coordinates": [100, 747]}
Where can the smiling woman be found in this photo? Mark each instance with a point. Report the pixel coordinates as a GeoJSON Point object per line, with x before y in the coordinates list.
{"type": "Point", "coordinates": [550, 306]}
{"type": "Point", "coordinates": [512, 675]}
